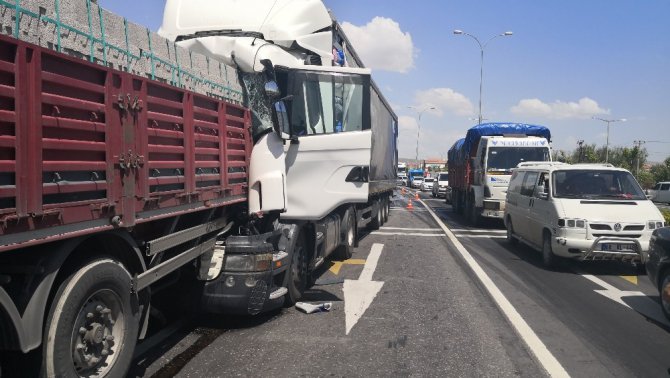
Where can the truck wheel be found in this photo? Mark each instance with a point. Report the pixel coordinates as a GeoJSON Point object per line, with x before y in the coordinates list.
{"type": "Point", "coordinates": [297, 274]}
{"type": "Point", "coordinates": [664, 291]}
{"type": "Point", "coordinates": [92, 324]}
{"type": "Point", "coordinates": [472, 213]}
{"type": "Point", "coordinates": [386, 204]}
{"type": "Point", "coordinates": [549, 260]}
{"type": "Point", "coordinates": [376, 221]}
{"type": "Point", "coordinates": [510, 233]}
{"type": "Point", "coordinates": [345, 250]}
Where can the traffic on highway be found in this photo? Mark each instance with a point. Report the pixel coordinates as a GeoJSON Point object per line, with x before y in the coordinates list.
{"type": "Point", "coordinates": [428, 294]}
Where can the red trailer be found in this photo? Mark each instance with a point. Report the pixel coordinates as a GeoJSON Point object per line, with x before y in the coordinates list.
{"type": "Point", "coordinates": [108, 183]}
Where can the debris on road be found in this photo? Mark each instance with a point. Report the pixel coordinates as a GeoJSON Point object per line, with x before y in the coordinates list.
{"type": "Point", "coordinates": [309, 308]}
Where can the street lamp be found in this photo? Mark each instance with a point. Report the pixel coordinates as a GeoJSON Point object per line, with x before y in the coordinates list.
{"type": "Point", "coordinates": [418, 131]}
{"type": "Point", "coordinates": [481, 68]}
{"type": "Point", "coordinates": [608, 121]}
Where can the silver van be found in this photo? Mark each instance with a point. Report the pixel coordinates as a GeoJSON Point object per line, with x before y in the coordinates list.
{"type": "Point", "coordinates": [581, 211]}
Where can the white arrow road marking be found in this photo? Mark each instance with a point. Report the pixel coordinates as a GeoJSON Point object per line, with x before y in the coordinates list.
{"type": "Point", "coordinates": [358, 294]}
{"type": "Point", "coordinates": [643, 305]}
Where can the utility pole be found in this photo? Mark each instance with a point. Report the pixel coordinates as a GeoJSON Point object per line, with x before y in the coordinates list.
{"type": "Point", "coordinates": [637, 144]}
{"type": "Point", "coordinates": [580, 143]}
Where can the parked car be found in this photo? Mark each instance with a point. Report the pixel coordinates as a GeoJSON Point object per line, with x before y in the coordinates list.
{"type": "Point", "coordinates": [660, 192]}
{"type": "Point", "coordinates": [440, 185]}
{"type": "Point", "coordinates": [658, 265]}
{"type": "Point", "coordinates": [416, 182]}
{"type": "Point", "coordinates": [401, 181]}
{"type": "Point", "coordinates": [582, 211]}
{"type": "Point", "coordinates": [427, 184]}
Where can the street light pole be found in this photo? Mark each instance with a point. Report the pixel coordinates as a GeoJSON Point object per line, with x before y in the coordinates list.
{"type": "Point", "coordinates": [608, 121]}
{"type": "Point", "coordinates": [481, 66]}
{"type": "Point", "coordinates": [418, 131]}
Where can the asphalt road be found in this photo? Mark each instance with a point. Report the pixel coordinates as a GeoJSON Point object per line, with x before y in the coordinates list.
{"type": "Point", "coordinates": [432, 315]}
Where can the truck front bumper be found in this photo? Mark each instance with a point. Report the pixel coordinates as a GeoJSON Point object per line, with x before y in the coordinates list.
{"type": "Point", "coordinates": [243, 288]}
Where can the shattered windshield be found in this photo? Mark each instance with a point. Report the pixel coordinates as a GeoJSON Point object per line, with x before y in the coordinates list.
{"type": "Point", "coordinates": [258, 102]}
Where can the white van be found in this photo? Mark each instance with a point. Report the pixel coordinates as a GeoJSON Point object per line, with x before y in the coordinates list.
{"type": "Point", "coordinates": [581, 211]}
{"type": "Point", "coordinates": [660, 192]}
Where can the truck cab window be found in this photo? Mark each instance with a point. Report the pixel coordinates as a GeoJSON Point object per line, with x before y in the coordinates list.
{"type": "Point", "coordinates": [325, 104]}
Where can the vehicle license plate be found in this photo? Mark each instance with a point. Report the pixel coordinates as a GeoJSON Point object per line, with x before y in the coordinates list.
{"type": "Point", "coordinates": [617, 247]}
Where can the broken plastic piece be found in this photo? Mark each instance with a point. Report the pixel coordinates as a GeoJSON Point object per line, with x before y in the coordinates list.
{"type": "Point", "coordinates": [309, 308]}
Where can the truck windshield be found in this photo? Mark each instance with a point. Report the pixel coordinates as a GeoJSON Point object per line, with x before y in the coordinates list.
{"type": "Point", "coordinates": [506, 158]}
{"type": "Point", "coordinates": [325, 103]}
{"type": "Point", "coordinates": [596, 184]}
{"type": "Point", "coordinates": [258, 102]}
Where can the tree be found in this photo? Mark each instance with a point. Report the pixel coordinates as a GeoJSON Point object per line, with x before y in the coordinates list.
{"type": "Point", "coordinates": [661, 172]}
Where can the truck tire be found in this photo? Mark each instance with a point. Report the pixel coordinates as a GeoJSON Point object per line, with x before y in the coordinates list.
{"type": "Point", "coordinates": [376, 221]}
{"type": "Point", "coordinates": [92, 325]}
{"type": "Point", "coordinates": [297, 273]}
{"type": "Point", "coordinates": [472, 213]}
{"type": "Point", "coordinates": [386, 205]}
{"type": "Point", "coordinates": [346, 249]}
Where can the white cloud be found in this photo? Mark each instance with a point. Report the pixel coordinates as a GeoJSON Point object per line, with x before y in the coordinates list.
{"type": "Point", "coordinates": [444, 99]}
{"type": "Point", "coordinates": [583, 109]}
{"type": "Point", "coordinates": [382, 45]}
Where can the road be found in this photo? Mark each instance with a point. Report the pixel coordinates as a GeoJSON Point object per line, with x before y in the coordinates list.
{"type": "Point", "coordinates": [433, 315]}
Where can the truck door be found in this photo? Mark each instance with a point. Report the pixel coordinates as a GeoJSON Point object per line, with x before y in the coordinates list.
{"type": "Point", "coordinates": [328, 159]}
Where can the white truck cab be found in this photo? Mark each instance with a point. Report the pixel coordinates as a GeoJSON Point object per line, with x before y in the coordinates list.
{"type": "Point", "coordinates": [581, 211]}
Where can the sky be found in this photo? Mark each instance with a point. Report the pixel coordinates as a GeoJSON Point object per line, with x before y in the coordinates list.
{"type": "Point", "coordinates": [566, 62]}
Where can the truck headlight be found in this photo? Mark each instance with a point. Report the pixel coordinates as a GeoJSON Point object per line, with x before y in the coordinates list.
{"type": "Point", "coordinates": [652, 225]}
{"type": "Point", "coordinates": [248, 263]}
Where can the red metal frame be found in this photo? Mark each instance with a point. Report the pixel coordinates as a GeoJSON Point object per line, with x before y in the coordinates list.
{"type": "Point", "coordinates": [82, 144]}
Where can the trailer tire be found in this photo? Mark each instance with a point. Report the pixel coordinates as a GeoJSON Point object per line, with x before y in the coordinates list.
{"type": "Point", "coordinates": [297, 273]}
{"type": "Point", "coordinates": [345, 251]}
{"type": "Point", "coordinates": [385, 209]}
{"type": "Point", "coordinates": [92, 324]}
{"type": "Point", "coordinates": [376, 220]}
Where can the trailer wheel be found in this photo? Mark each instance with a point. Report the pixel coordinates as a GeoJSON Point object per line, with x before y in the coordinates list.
{"type": "Point", "coordinates": [385, 210]}
{"type": "Point", "coordinates": [376, 221]}
{"type": "Point", "coordinates": [92, 326]}
{"type": "Point", "coordinates": [345, 251]}
{"type": "Point", "coordinates": [297, 279]}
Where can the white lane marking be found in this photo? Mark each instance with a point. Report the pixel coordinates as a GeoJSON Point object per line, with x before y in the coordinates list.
{"type": "Point", "coordinates": [642, 304]}
{"type": "Point", "coordinates": [358, 294]}
{"type": "Point", "coordinates": [410, 229]}
{"type": "Point", "coordinates": [478, 231]}
{"type": "Point", "coordinates": [405, 233]}
{"type": "Point", "coordinates": [469, 236]}
{"type": "Point", "coordinates": [536, 346]}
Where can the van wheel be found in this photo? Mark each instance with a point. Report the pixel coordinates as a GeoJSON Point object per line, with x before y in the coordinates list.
{"type": "Point", "coordinates": [345, 250]}
{"type": "Point", "coordinates": [92, 324]}
{"type": "Point", "coordinates": [510, 233]}
{"type": "Point", "coordinates": [664, 291]}
{"type": "Point", "coordinates": [297, 273]}
{"type": "Point", "coordinates": [549, 260]}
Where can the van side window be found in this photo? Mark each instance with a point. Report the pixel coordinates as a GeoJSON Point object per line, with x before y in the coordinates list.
{"type": "Point", "coordinates": [542, 184]}
{"type": "Point", "coordinates": [515, 182]}
{"type": "Point", "coordinates": [665, 187]}
{"type": "Point", "coordinates": [528, 185]}
{"type": "Point", "coordinates": [657, 186]}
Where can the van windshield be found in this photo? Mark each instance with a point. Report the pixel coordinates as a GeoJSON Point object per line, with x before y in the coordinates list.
{"type": "Point", "coordinates": [596, 184]}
